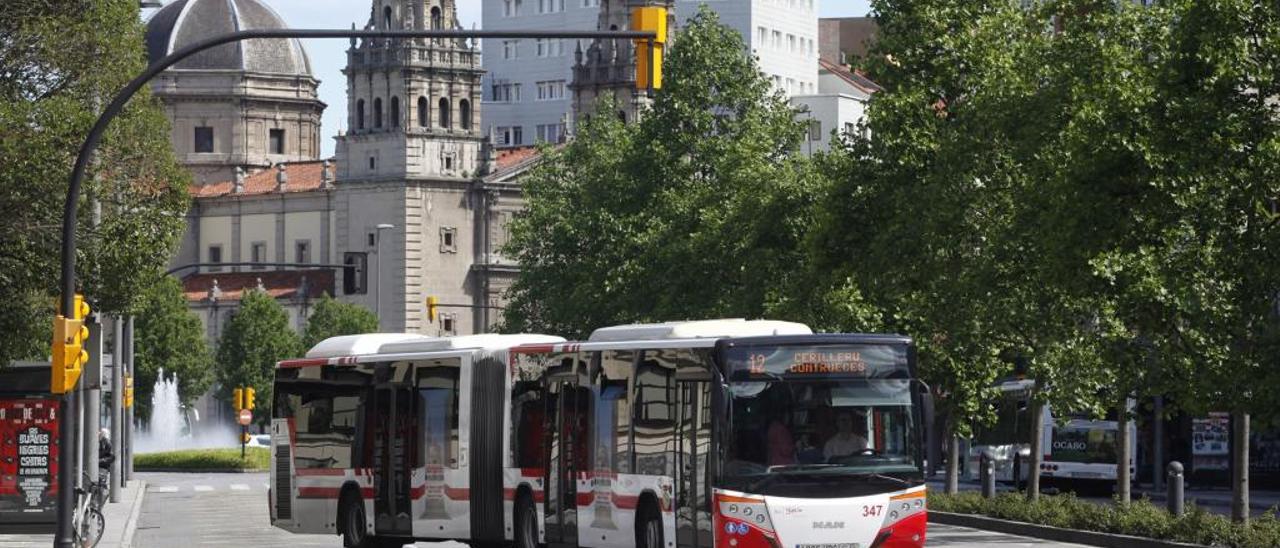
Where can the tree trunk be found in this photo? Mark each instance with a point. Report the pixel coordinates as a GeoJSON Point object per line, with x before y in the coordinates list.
{"type": "Point", "coordinates": [1037, 450]}
{"type": "Point", "coordinates": [1123, 454]}
{"type": "Point", "coordinates": [1240, 467]}
{"type": "Point", "coordinates": [953, 462]}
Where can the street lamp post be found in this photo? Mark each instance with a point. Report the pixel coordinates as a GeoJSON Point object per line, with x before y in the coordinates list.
{"type": "Point", "coordinates": [377, 290]}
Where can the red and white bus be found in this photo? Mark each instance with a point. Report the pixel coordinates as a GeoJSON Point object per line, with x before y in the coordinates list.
{"type": "Point", "coordinates": [723, 433]}
{"type": "Point", "coordinates": [385, 438]}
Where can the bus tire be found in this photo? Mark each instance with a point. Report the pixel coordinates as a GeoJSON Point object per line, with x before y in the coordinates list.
{"type": "Point", "coordinates": [353, 522]}
{"type": "Point", "coordinates": [526, 533]}
{"type": "Point", "coordinates": [649, 526]}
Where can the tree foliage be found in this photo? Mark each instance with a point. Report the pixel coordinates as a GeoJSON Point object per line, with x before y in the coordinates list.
{"type": "Point", "coordinates": [331, 318]}
{"type": "Point", "coordinates": [60, 62]}
{"type": "Point", "coordinates": [171, 338]}
{"type": "Point", "coordinates": [255, 339]}
{"type": "Point", "coordinates": [698, 210]}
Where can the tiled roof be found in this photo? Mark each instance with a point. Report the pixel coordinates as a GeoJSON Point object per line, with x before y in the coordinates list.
{"type": "Point", "coordinates": [303, 177]}
{"type": "Point", "coordinates": [281, 284]}
{"type": "Point", "coordinates": [511, 157]}
{"type": "Point", "coordinates": [854, 78]}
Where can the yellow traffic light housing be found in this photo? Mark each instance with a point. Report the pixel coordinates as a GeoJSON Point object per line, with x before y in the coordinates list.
{"type": "Point", "coordinates": [128, 391]}
{"type": "Point", "coordinates": [248, 398]}
{"type": "Point", "coordinates": [237, 399]}
{"type": "Point", "coordinates": [69, 355]}
{"type": "Point", "coordinates": [649, 59]}
{"type": "Point", "coordinates": [432, 304]}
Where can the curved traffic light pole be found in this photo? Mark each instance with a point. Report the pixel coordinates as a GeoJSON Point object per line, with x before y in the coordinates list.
{"type": "Point", "coordinates": [66, 477]}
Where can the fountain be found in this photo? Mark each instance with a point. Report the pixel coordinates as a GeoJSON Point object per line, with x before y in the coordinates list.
{"type": "Point", "coordinates": [172, 427]}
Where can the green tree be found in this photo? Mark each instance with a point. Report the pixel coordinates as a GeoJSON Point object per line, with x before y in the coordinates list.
{"type": "Point", "coordinates": [255, 339]}
{"type": "Point", "coordinates": [59, 64]}
{"type": "Point", "coordinates": [697, 210]}
{"type": "Point", "coordinates": [331, 318]}
{"type": "Point", "coordinates": [171, 339]}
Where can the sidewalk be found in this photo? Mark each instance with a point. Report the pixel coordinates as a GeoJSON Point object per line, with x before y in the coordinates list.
{"type": "Point", "coordinates": [121, 518]}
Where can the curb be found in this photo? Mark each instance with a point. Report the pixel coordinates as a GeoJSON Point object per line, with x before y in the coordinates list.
{"type": "Point", "coordinates": [200, 470]}
{"type": "Point", "coordinates": [1091, 538]}
{"type": "Point", "coordinates": [131, 526]}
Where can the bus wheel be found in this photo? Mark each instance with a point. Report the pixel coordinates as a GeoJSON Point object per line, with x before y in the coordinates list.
{"type": "Point", "coordinates": [354, 534]}
{"type": "Point", "coordinates": [526, 535]}
{"type": "Point", "coordinates": [649, 527]}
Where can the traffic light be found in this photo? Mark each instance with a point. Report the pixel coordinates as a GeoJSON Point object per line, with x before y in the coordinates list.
{"type": "Point", "coordinates": [248, 398]}
{"type": "Point", "coordinates": [69, 356]}
{"type": "Point", "coordinates": [245, 437]}
{"type": "Point", "coordinates": [432, 304]}
{"type": "Point", "coordinates": [237, 399]}
{"type": "Point", "coordinates": [128, 391]}
{"type": "Point", "coordinates": [649, 61]}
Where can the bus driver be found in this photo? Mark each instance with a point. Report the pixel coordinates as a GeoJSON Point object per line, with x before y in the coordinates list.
{"type": "Point", "coordinates": [844, 442]}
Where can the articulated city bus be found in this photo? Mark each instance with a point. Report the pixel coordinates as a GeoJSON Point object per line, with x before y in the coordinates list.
{"type": "Point", "coordinates": [386, 438]}
{"type": "Point", "coordinates": [1080, 452]}
{"type": "Point", "coordinates": [723, 433]}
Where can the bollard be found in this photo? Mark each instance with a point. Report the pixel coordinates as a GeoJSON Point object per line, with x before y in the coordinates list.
{"type": "Point", "coordinates": [1174, 486]}
{"type": "Point", "coordinates": [987, 473]}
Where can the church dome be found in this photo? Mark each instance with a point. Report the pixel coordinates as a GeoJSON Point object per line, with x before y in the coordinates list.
{"type": "Point", "coordinates": [185, 22]}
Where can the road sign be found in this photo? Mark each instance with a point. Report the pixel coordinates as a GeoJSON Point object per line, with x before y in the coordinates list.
{"type": "Point", "coordinates": [246, 417]}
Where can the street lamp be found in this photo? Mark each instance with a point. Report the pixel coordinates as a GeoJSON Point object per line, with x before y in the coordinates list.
{"type": "Point", "coordinates": [377, 290]}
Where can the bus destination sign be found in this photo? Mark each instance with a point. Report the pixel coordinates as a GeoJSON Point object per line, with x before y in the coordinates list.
{"type": "Point", "coordinates": [868, 361]}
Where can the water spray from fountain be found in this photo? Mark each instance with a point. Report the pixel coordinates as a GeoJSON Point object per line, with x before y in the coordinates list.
{"type": "Point", "coordinates": [172, 427]}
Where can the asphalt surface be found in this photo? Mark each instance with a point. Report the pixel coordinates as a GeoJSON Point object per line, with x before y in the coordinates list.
{"type": "Point", "coordinates": [230, 510]}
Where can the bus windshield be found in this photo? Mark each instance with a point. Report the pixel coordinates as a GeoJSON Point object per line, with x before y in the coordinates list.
{"type": "Point", "coordinates": [814, 417]}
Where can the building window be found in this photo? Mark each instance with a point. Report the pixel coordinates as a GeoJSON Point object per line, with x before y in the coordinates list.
{"type": "Point", "coordinates": [762, 37]}
{"type": "Point", "coordinates": [444, 112]}
{"type": "Point", "coordinates": [551, 90]}
{"type": "Point", "coordinates": [590, 3]}
{"type": "Point", "coordinates": [276, 139]}
{"type": "Point", "coordinates": [448, 240]}
{"type": "Point", "coordinates": [464, 114]}
{"type": "Point", "coordinates": [510, 8]}
{"type": "Point", "coordinates": [550, 133]}
{"type": "Point", "coordinates": [506, 93]}
{"type": "Point", "coordinates": [550, 6]}
{"type": "Point", "coordinates": [360, 114]}
{"type": "Point", "coordinates": [355, 275]}
{"type": "Point", "coordinates": [302, 252]}
{"type": "Point", "coordinates": [215, 256]}
{"type": "Point", "coordinates": [815, 130]}
{"type": "Point", "coordinates": [791, 43]}
{"type": "Point", "coordinates": [850, 128]}
{"type": "Point", "coordinates": [424, 112]}
{"type": "Point", "coordinates": [777, 39]}
{"type": "Point", "coordinates": [204, 139]}
{"type": "Point", "coordinates": [258, 254]}
{"type": "Point", "coordinates": [436, 19]}
{"type": "Point", "coordinates": [511, 136]}
{"type": "Point", "coordinates": [511, 49]}
{"type": "Point", "coordinates": [373, 239]}
{"type": "Point", "coordinates": [373, 165]}
{"type": "Point", "coordinates": [395, 112]}
{"type": "Point", "coordinates": [386, 17]}
{"type": "Point", "coordinates": [449, 323]}
{"type": "Point", "coordinates": [377, 112]}
{"type": "Point", "coordinates": [550, 47]}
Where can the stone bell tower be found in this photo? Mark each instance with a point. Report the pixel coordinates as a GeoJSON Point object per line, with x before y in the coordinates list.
{"type": "Point", "coordinates": [407, 162]}
{"type": "Point", "coordinates": [608, 67]}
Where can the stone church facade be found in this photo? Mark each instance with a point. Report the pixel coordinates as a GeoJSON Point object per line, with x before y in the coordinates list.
{"type": "Point", "coordinates": [416, 200]}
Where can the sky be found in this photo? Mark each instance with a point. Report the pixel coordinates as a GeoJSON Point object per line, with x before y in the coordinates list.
{"type": "Point", "coordinates": [329, 56]}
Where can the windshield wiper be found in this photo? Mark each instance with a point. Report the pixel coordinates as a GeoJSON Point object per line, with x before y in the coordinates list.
{"type": "Point", "coordinates": [801, 467]}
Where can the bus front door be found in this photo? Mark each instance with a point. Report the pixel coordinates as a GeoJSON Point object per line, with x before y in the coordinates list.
{"type": "Point", "coordinates": [567, 418]}
{"type": "Point", "coordinates": [393, 443]}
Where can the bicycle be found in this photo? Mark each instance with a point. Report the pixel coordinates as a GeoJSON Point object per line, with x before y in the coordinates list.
{"type": "Point", "coordinates": [88, 523]}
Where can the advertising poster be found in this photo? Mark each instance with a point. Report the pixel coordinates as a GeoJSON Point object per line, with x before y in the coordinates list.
{"type": "Point", "coordinates": [28, 458]}
{"type": "Point", "coordinates": [1210, 442]}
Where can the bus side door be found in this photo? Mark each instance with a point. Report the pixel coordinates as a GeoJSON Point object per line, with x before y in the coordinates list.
{"type": "Point", "coordinates": [393, 441]}
{"type": "Point", "coordinates": [566, 416]}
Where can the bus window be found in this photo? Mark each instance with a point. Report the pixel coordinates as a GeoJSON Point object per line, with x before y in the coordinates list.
{"type": "Point", "coordinates": [612, 445]}
{"type": "Point", "coordinates": [438, 405]}
{"type": "Point", "coordinates": [654, 414]}
{"type": "Point", "coordinates": [325, 421]}
{"type": "Point", "coordinates": [527, 415]}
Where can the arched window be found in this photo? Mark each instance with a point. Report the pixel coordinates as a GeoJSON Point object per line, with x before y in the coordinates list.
{"type": "Point", "coordinates": [444, 112]}
{"type": "Point", "coordinates": [424, 112]}
{"type": "Point", "coordinates": [377, 112]}
{"type": "Point", "coordinates": [360, 114]}
{"type": "Point", "coordinates": [395, 112]}
{"type": "Point", "coordinates": [464, 114]}
{"type": "Point", "coordinates": [436, 18]}
{"type": "Point", "coordinates": [386, 18]}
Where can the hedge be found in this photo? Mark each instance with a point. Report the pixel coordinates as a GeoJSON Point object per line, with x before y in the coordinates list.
{"type": "Point", "coordinates": [256, 458]}
{"type": "Point", "coordinates": [1141, 518]}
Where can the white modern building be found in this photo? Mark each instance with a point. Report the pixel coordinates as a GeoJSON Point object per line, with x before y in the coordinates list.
{"type": "Point", "coordinates": [837, 108]}
{"type": "Point", "coordinates": [526, 88]}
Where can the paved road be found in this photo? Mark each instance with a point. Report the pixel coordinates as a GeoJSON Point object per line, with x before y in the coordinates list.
{"type": "Point", "coordinates": [230, 510]}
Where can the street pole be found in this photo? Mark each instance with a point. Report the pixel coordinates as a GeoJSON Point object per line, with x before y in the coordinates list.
{"type": "Point", "coordinates": [70, 208]}
{"type": "Point", "coordinates": [126, 467]}
{"type": "Point", "coordinates": [377, 290]}
{"type": "Point", "coordinates": [117, 403]}
{"type": "Point", "coordinates": [92, 382]}
{"type": "Point", "coordinates": [1157, 444]}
